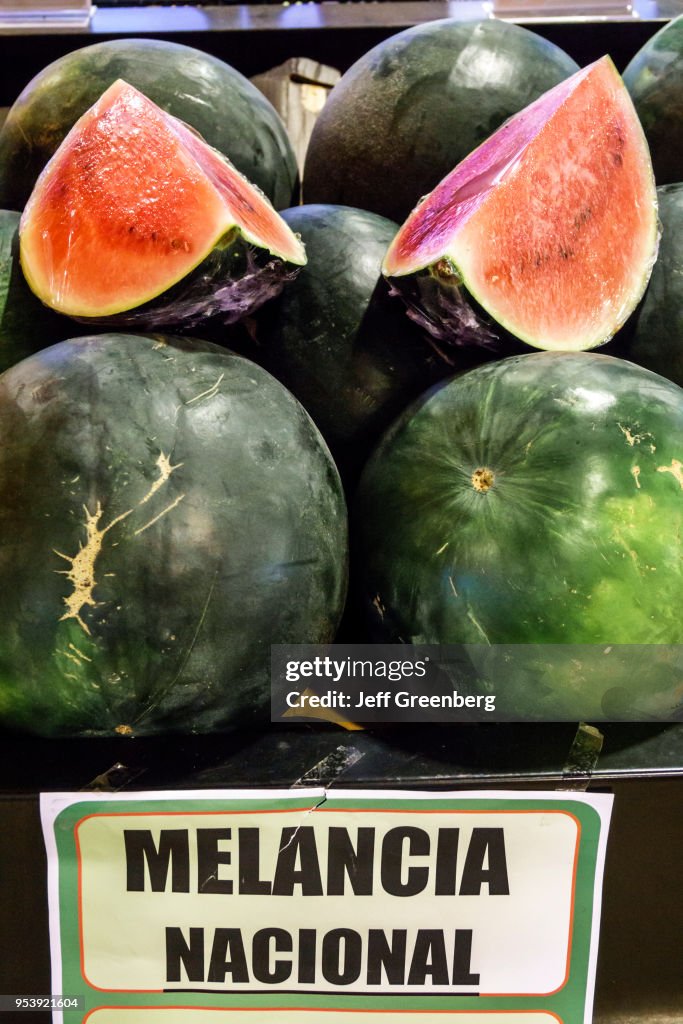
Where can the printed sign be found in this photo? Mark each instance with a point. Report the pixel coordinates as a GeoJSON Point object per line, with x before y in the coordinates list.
{"type": "Point", "coordinates": [483, 905]}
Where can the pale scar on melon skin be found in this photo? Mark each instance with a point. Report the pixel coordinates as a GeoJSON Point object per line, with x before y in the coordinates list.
{"type": "Point", "coordinates": [676, 470]}
{"type": "Point", "coordinates": [633, 439]}
{"type": "Point", "coordinates": [165, 468]}
{"type": "Point", "coordinates": [81, 573]}
{"type": "Point", "coordinates": [75, 654]}
{"type": "Point", "coordinates": [209, 393]}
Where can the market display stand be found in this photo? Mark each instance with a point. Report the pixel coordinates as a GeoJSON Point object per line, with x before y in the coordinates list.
{"type": "Point", "coordinates": [639, 970]}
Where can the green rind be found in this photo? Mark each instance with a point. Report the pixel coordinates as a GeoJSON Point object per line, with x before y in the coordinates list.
{"type": "Point", "coordinates": [26, 325]}
{"type": "Point", "coordinates": [578, 541]}
{"type": "Point", "coordinates": [654, 337]}
{"type": "Point", "coordinates": [240, 544]}
{"type": "Point", "coordinates": [339, 341]}
{"type": "Point", "coordinates": [227, 285]}
{"type": "Point", "coordinates": [414, 106]}
{"type": "Point", "coordinates": [654, 78]}
{"type": "Point", "coordinates": [441, 300]}
{"type": "Point", "coordinates": [209, 95]}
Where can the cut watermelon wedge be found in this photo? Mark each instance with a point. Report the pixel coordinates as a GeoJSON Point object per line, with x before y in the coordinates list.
{"type": "Point", "coordinates": [137, 220]}
{"type": "Point", "coordinates": [550, 226]}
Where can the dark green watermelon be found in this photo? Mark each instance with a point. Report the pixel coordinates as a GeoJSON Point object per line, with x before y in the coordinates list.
{"type": "Point", "coordinates": [339, 341]}
{"type": "Point", "coordinates": [415, 105]}
{"type": "Point", "coordinates": [25, 324]}
{"type": "Point", "coordinates": [654, 79]}
{"type": "Point", "coordinates": [654, 337]}
{"type": "Point", "coordinates": [168, 511]}
{"type": "Point", "coordinates": [209, 95]}
{"type": "Point", "coordinates": [537, 501]}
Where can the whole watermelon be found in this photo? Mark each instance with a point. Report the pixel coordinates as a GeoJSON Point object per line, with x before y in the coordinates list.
{"type": "Point", "coordinates": [654, 78]}
{"type": "Point", "coordinates": [168, 511]}
{"type": "Point", "coordinates": [654, 337]}
{"type": "Point", "coordinates": [415, 105]}
{"type": "Point", "coordinates": [537, 501]}
{"type": "Point", "coordinates": [339, 341]}
{"type": "Point", "coordinates": [212, 97]}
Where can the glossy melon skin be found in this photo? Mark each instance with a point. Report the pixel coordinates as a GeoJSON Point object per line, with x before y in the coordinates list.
{"type": "Point", "coordinates": [654, 338]}
{"type": "Point", "coordinates": [415, 105]}
{"type": "Point", "coordinates": [168, 510]}
{"type": "Point", "coordinates": [26, 325]}
{"type": "Point", "coordinates": [654, 78]}
{"type": "Point", "coordinates": [576, 537]}
{"type": "Point", "coordinates": [339, 341]}
{"type": "Point", "coordinates": [209, 95]}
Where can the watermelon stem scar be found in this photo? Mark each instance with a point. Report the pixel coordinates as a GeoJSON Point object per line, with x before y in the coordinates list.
{"type": "Point", "coordinates": [482, 479]}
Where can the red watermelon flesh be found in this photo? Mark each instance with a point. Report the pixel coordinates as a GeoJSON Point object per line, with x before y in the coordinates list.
{"type": "Point", "coordinates": [550, 225]}
{"type": "Point", "coordinates": [132, 201]}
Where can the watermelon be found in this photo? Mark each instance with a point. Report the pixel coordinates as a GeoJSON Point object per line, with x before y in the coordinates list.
{"type": "Point", "coordinates": [654, 78]}
{"type": "Point", "coordinates": [168, 511]}
{"type": "Point", "coordinates": [654, 336]}
{"type": "Point", "coordinates": [411, 108]}
{"type": "Point", "coordinates": [338, 340]}
{"type": "Point", "coordinates": [550, 226]}
{"type": "Point", "coordinates": [136, 221]}
{"type": "Point", "coordinates": [536, 501]}
{"type": "Point", "coordinates": [212, 97]}
{"type": "Point", "coordinates": [25, 324]}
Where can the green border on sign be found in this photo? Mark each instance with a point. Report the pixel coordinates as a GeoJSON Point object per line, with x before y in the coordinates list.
{"type": "Point", "coordinates": [568, 1003]}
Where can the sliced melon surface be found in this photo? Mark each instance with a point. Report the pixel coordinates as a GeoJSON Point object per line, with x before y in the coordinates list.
{"type": "Point", "coordinates": [551, 224]}
{"type": "Point", "coordinates": [130, 204]}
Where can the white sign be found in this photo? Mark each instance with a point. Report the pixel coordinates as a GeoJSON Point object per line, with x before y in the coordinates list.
{"type": "Point", "coordinates": [487, 902]}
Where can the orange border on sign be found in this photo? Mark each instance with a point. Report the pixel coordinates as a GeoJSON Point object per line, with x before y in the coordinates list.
{"type": "Point", "coordinates": [332, 810]}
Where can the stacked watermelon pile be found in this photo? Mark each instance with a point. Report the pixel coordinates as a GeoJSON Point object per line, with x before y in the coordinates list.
{"type": "Point", "coordinates": [478, 213]}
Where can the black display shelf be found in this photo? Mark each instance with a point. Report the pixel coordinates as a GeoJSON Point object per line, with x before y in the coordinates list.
{"type": "Point", "coordinates": [448, 756]}
{"type": "Point", "coordinates": [256, 37]}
